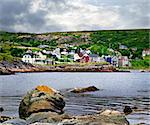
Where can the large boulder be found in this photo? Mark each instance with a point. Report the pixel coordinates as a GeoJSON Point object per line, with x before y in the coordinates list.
{"type": "Point", "coordinates": [41, 99]}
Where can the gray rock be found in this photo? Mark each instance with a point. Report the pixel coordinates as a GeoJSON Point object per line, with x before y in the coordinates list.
{"type": "Point", "coordinates": [86, 89]}
{"type": "Point", "coordinates": [5, 71]}
{"type": "Point", "coordinates": [107, 117]}
{"type": "Point", "coordinates": [41, 99]}
{"type": "Point", "coordinates": [47, 117]}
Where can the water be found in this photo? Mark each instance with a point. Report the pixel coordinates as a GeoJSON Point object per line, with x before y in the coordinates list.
{"type": "Point", "coordinates": [116, 91]}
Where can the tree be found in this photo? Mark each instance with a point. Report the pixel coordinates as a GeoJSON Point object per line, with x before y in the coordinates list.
{"type": "Point", "coordinates": [125, 52]}
{"type": "Point", "coordinates": [99, 49]}
{"type": "Point", "coordinates": [16, 52]}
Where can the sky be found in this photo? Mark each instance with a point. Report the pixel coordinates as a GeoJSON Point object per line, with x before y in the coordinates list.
{"type": "Point", "coordinates": [39, 16]}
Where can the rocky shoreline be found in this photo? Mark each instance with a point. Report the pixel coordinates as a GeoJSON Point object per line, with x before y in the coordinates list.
{"type": "Point", "coordinates": [8, 68]}
{"type": "Point", "coordinates": [44, 105]}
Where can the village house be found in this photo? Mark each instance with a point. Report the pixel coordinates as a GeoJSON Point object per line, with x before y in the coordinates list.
{"type": "Point", "coordinates": [72, 52]}
{"type": "Point", "coordinates": [146, 52]}
{"type": "Point", "coordinates": [36, 58]}
{"type": "Point", "coordinates": [85, 58]}
{"type": "Point", "coordinates": [40, 58]}
{"type": "Point", "coordinates": [64, 52]}
{"type": "Point", "coordinates": [76, 57]}
{"type": "Point", "coordinates": [56, 53]}
{"type": "Point", "coordinates": [46, 52]}
{"type": "Point", "coordinates": [28, 58]}
{"type": "Point", "coordinates": [68, 45]}
{"type": "Point", "coordinates": [115, 61]}
{"type": "Point", "coordinates": [134, 48]}
{"type": "Point", "coordinates": [87, 51]}
{"type": "Point", "coordinates": [108, 59]}
{"type": "Point", "coordinates": [80, 57]}
{"type": "Point", "coordinates": [123, 47]}
{"type": "Point", "coordinates": [123, 61]}
{"type": "Point", "coordinates": [96, 58]}
{"type": "Point", "coordinates": [43, 46]}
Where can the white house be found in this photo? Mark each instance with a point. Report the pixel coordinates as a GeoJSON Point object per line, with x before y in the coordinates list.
{"type": "Point", "coordinates": [64, 52]}
{"type": "Point", "coordinates": [56, 52]}
{"type": "Point", "coordinates": [40, 58]}
{"type": "Point", "coordinates": [76, 57]}
{"type": "Point", "coordinates": [87, 51]}
{"type": "Point", "coordinates": [29, 58]}
{"type": "Point", "coordinates": [145, 52]}
{"type": "Point", "coordinates": [35, 58]}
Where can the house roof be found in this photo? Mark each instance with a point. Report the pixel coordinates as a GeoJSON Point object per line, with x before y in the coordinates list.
{"type": "Point", "coordinates": [94, 55]}
{"type": "Point", "coordinates": [31, 54]}
{"type": "Point", "coordinates": [43, 46]}
{"type": "Point", "coordinates": [147, 49]}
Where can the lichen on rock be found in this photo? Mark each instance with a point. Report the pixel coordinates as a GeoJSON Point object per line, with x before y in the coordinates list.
{"type": "Point", "coordinates": [46, 89]}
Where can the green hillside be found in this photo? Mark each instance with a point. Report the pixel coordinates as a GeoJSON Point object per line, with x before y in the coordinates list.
{"type": "Point", "coordinates": [97, 41]}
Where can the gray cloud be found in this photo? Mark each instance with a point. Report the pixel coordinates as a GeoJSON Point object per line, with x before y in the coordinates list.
{"type": "Point", "coordinates": [135, 14]}
{"type": "Point", "coordinates": [9, 9]}
{"type": "Point", "coordinates": [72, 15]}
{"type": "Point", "coordinates": [15, 15]}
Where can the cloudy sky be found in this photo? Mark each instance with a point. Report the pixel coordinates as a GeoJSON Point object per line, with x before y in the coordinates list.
{"type": "Point", "coordinates": [73, 15]}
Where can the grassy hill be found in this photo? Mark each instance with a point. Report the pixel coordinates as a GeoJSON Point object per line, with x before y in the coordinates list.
{"type": "Point", "coordinates": [97, 41]}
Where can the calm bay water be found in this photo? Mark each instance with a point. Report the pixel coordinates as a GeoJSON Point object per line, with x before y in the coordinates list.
{"type": "Point", "coordinates": [116, 91]}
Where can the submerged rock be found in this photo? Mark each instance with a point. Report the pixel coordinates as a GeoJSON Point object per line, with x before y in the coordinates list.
{"type": "Point", "coordinates": [87, 89]}
{"type": "Point", "coordinates": [127, 110]}
{"type": "Point", "coordinates": [108, 112]}
{"type": "Point", "coordinates": [1, 109]}
{"type": "Point", "coordinates": [5, 118]}
{"type": "Point", "coordinates": [41, 99]}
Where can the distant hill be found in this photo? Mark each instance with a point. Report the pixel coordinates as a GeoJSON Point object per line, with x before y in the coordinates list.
{"type": "Point", "coordinates": [133, 39]}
